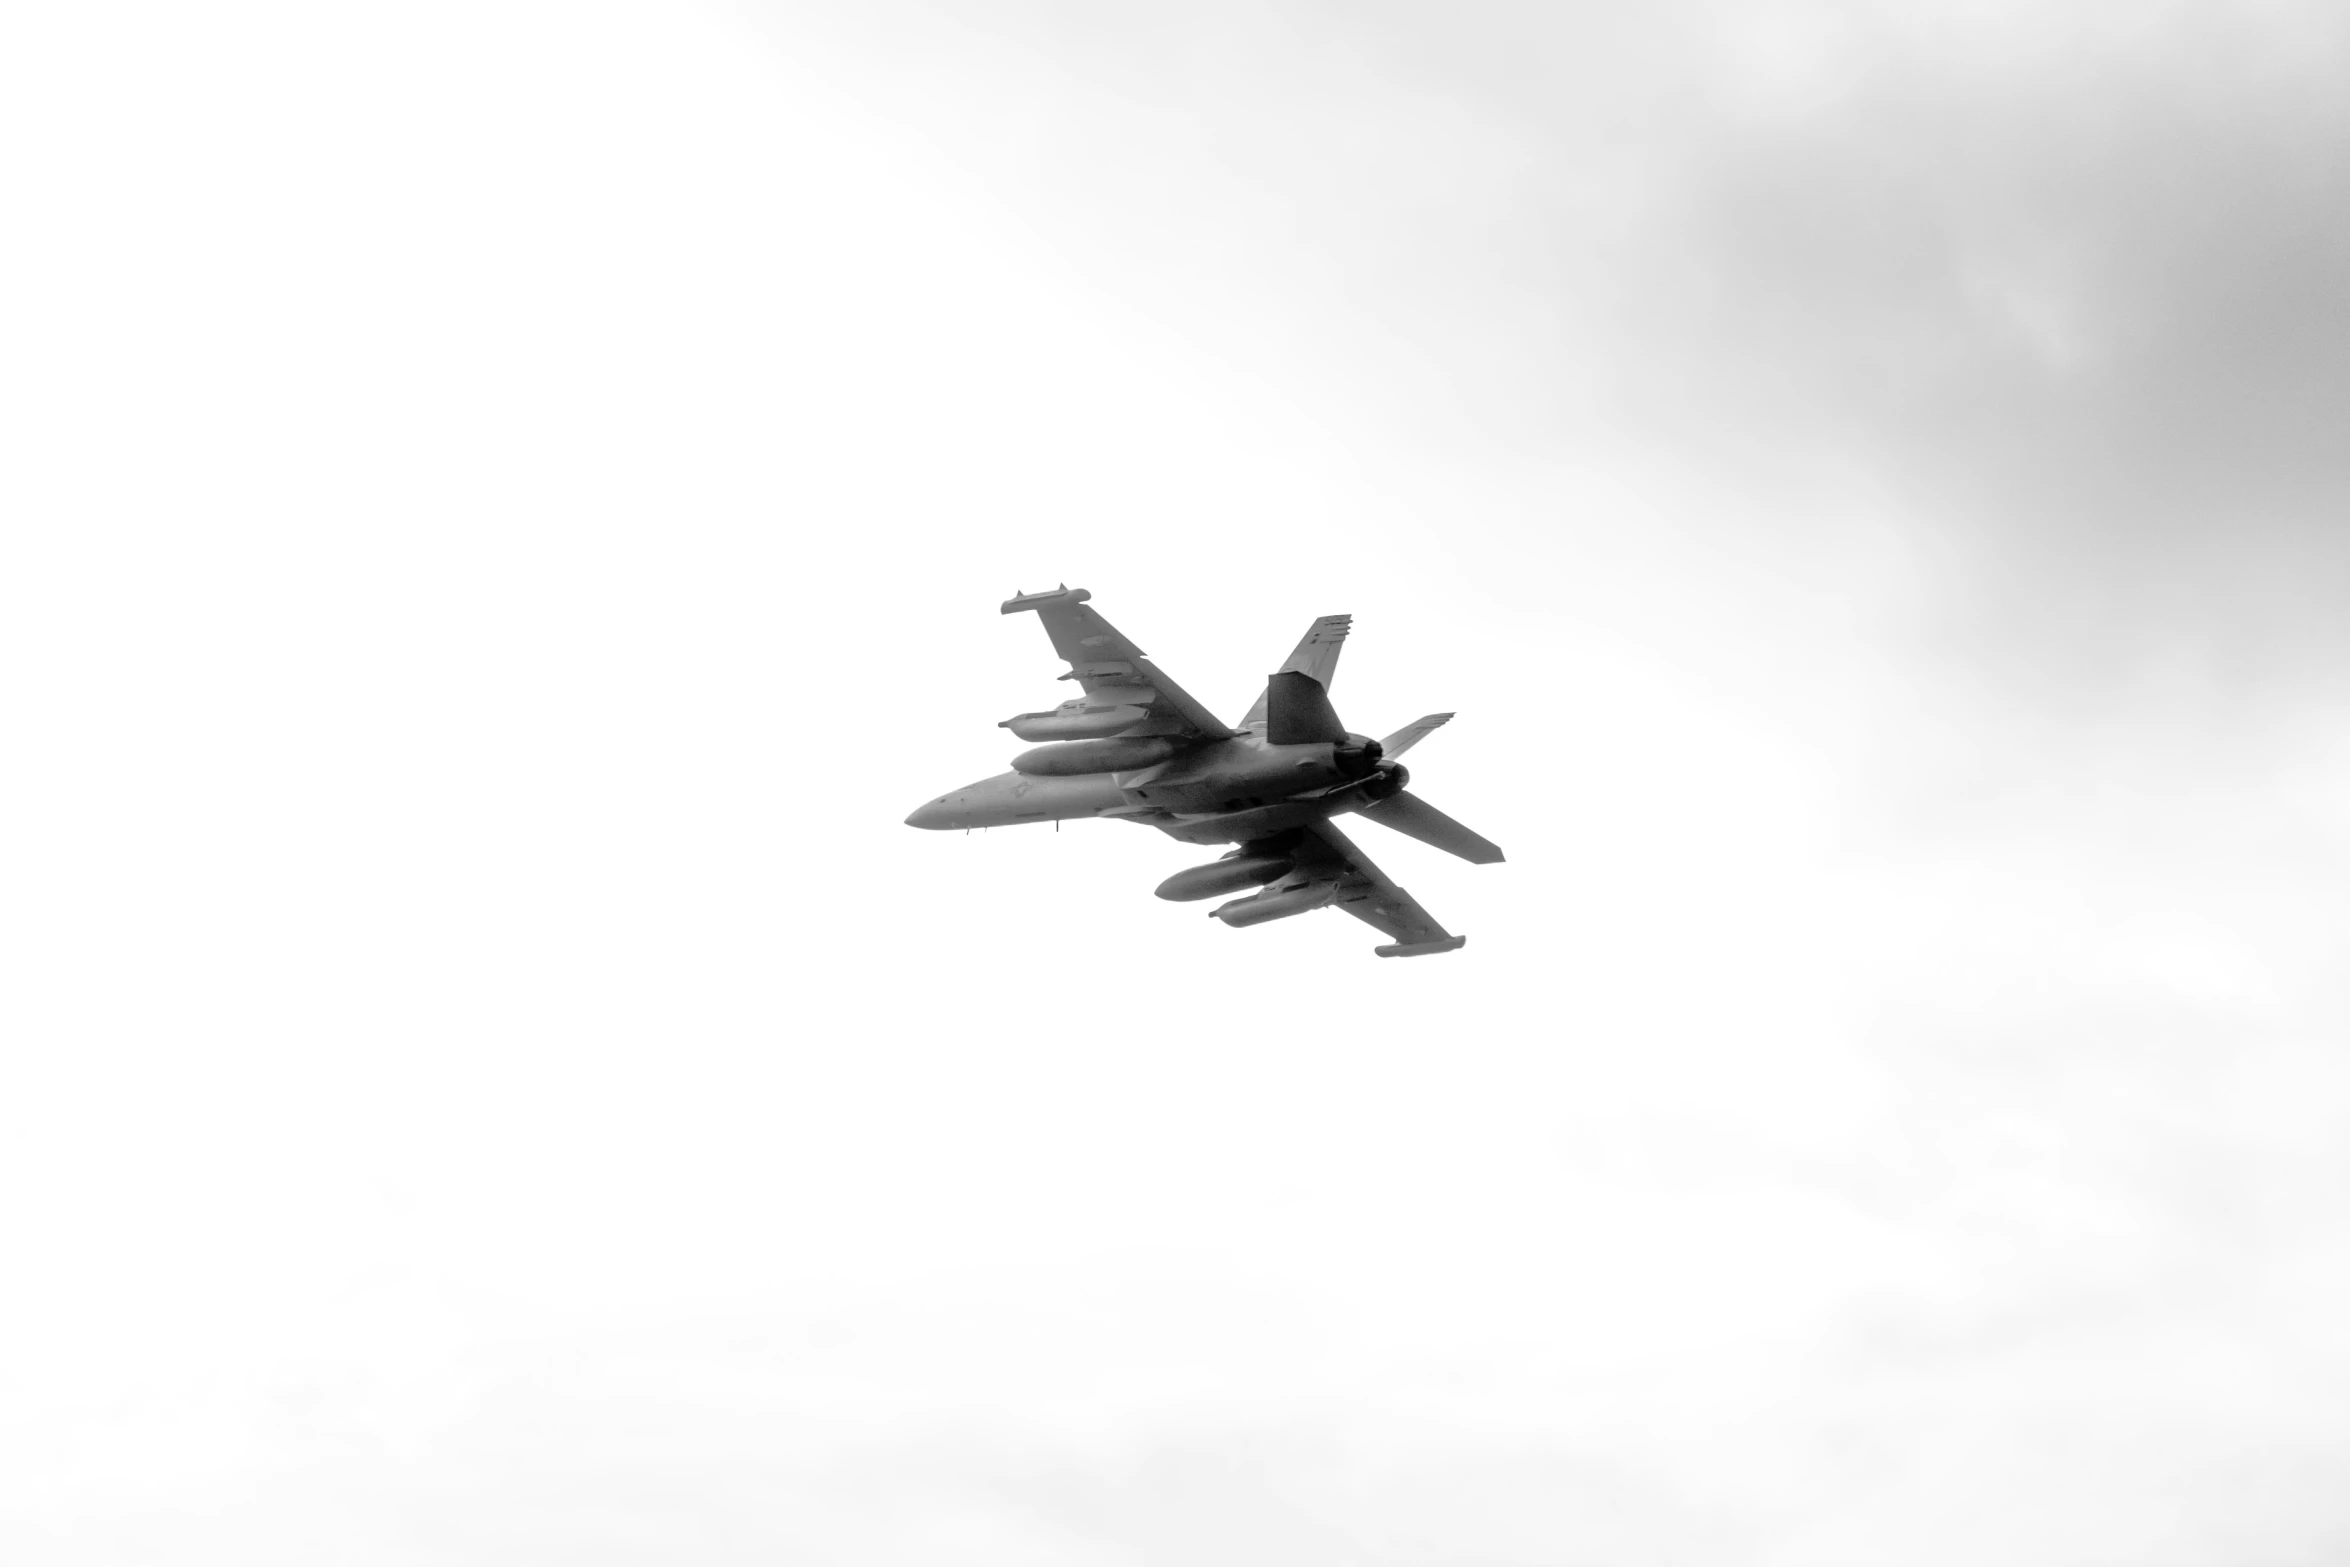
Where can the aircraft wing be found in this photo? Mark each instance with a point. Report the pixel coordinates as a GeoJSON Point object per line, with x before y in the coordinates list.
{"type": "Point", "coordinates": [1109, 666]}
{"type": "Point", "coordinates": [1365, 892]}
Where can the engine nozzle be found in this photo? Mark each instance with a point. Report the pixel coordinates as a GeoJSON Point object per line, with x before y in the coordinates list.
{"type": "Point", "coordinates": [1357, 756]}
{"type": "Point", "coordinates": [1387, 782]}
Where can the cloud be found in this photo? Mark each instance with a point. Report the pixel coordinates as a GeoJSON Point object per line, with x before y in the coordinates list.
{"type": "Point", "coordinates": [2064, 284]}
{"type": "Point", "coordinates": [2082, 306]}
{"type": "Point", "coordinates": [519, 510]}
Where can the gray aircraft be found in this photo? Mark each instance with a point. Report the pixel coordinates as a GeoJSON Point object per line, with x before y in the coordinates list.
{"type": "Point", "coordinates": [1135, 747]}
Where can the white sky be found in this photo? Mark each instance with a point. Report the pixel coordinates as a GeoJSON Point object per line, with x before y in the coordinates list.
{"type": "Point", "coordinates": [503, 514]}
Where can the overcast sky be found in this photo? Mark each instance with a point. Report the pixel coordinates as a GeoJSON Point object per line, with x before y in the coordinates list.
{"type": "Point", "coordinates": [504, 513]}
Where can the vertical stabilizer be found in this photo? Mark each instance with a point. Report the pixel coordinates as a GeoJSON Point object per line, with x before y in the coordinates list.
{"type": "Point", "coordinates": [1316, 655]}
{"type": "Point", "coordinates": [1298, 711]}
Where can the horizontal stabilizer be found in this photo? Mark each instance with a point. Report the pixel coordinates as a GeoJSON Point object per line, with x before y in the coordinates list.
{"type": "Point", "coordinates": [1298, 711]}
{"type": "Point", "coordinates": [1406, 813]}
{"type": "Point", "coordinates": [1412, 734]}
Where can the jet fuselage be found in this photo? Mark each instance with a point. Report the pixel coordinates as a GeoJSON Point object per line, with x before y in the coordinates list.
{"type": "Point", "coordinates": [1218, 791]}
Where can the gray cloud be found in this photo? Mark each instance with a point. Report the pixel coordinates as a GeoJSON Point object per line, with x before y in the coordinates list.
{"type": "Point", "coordinates": [2070, 284]}
{"type": "Point", "coordinates": [2090, 314]}
{"type": "Point", "coordinates": [514, 1094]}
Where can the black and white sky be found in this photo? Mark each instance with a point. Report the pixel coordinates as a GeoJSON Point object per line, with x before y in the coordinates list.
{"type": "Point", "coordinates": [505, 511]}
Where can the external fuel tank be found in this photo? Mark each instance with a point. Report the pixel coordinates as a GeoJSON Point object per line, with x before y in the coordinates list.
{"type": "Point", "coordinates": [1278, 904]}
{"type": "Point", "coordinates": [1220, 877]}
{"type": "Point", "coordinates": [1072, 757]}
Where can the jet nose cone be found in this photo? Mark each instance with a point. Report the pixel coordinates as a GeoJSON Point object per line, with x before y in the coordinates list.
{"type": "Point", "coordinates": [933, 815]}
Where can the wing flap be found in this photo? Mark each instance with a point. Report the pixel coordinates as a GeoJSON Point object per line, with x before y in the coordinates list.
{"type": "Point", "coordinates": [1107, 664]}
{"type": "Point", "coordinates": [1364, 891]}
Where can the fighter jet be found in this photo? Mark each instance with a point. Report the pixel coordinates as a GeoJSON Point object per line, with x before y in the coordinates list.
{"type": "Point", "coordinates": [1136, 747]}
